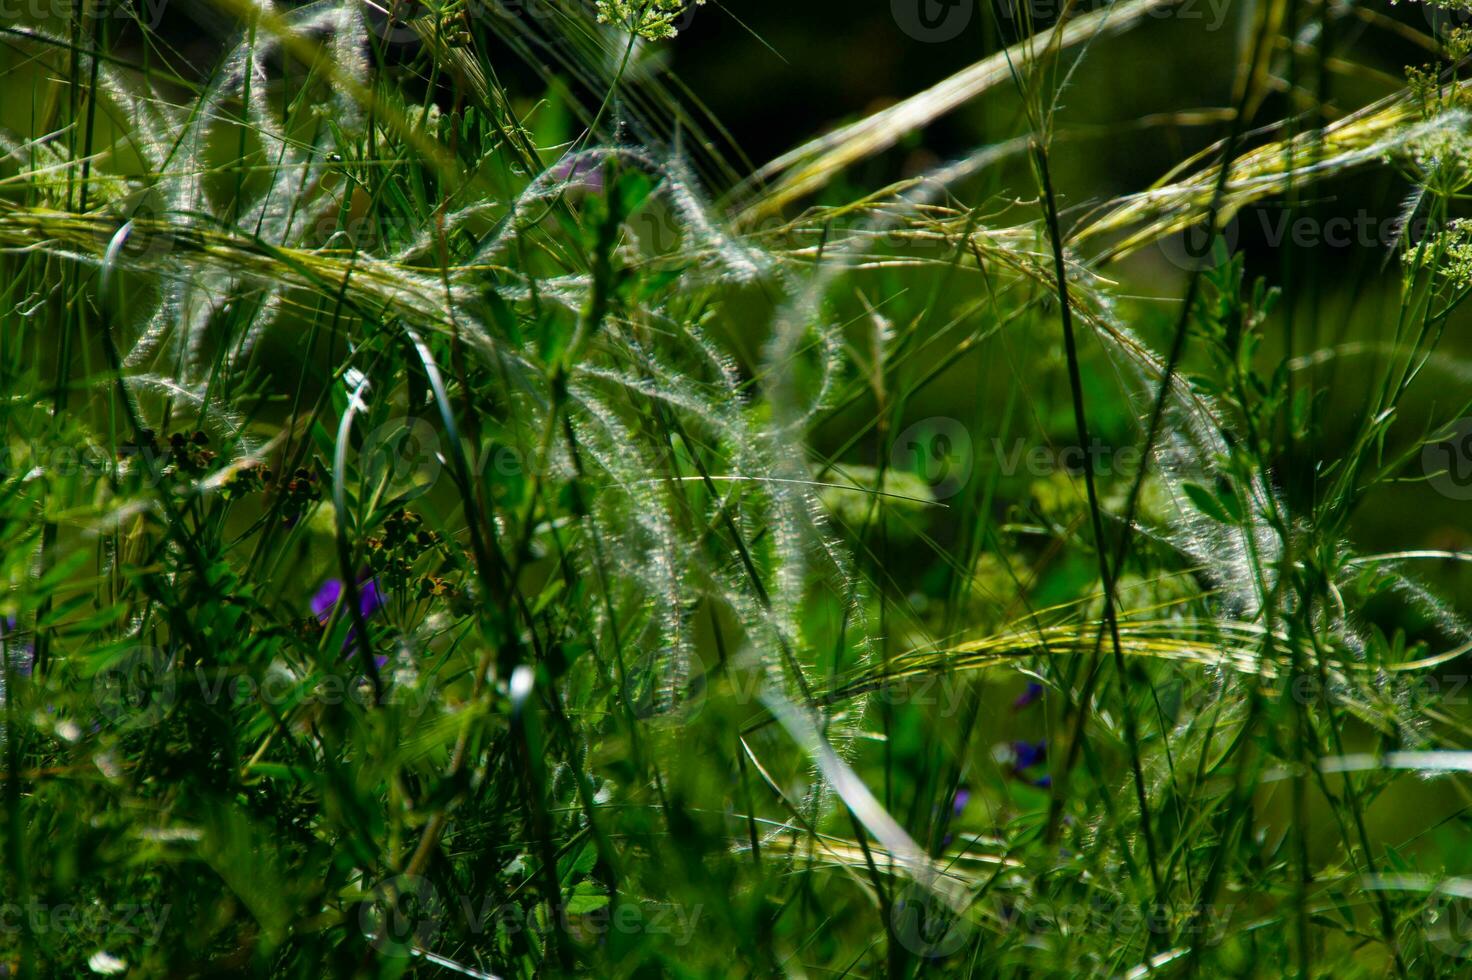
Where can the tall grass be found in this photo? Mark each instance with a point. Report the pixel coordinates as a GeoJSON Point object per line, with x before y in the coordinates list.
{"type": "Point", "coordinates": [465, 519]}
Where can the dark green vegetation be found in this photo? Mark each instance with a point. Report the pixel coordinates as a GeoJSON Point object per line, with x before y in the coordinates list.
{"type": "Point", "coordinates": [459, 515]}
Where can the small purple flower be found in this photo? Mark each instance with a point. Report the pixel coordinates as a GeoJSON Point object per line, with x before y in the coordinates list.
{"type": "Point", "coordinates": [370, 598]}
{"type": "Point", "coordinates": [326, 598]}
{"type": "Point", "coordinates": [580, 172]}
{"type": "Point", "coordinates": [959, 801]}
{"type": "Point", "coordinates": [1034, 692]}
{"type": "Point", "coordinates": [1043, 782]}
{"type": "Point", "coordinates": [1025, 755]}
{"type": "Point", "coordinates": [370, 601]}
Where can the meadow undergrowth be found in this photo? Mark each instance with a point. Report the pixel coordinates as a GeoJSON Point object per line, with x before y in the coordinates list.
{"type": "Point", "coordinates": [458, 516]}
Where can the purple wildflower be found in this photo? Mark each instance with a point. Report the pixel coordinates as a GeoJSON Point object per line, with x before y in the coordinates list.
{"type": "Point", "coordinates": [958, 804]}
{"type": "Point", "coordinates": [326, 598]}
{"type": "Point", "coordinates": [1034, 692]}
{"type": "Point", "coordinates": [583, 172]}
{"type": "Point", "coordinates": [370, 598]}
{"type": "Point", "coordinates": [1025, 755]}
{"type": "Point", "coordinates": [370, 601]}
{"type": "Point", "coordinates": [1043, 782]}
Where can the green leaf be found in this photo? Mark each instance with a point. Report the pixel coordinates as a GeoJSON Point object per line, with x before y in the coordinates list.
{"type": "Point", "coordinates": [1207, 503]}
{"type": "Point", "coordinates": [586, 897]}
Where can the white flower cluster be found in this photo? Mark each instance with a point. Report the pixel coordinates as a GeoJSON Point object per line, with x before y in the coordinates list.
{"type": "Point", "coordinates": [654, 20]}
{"type": "Point", "coordinates": [1450, 252]}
